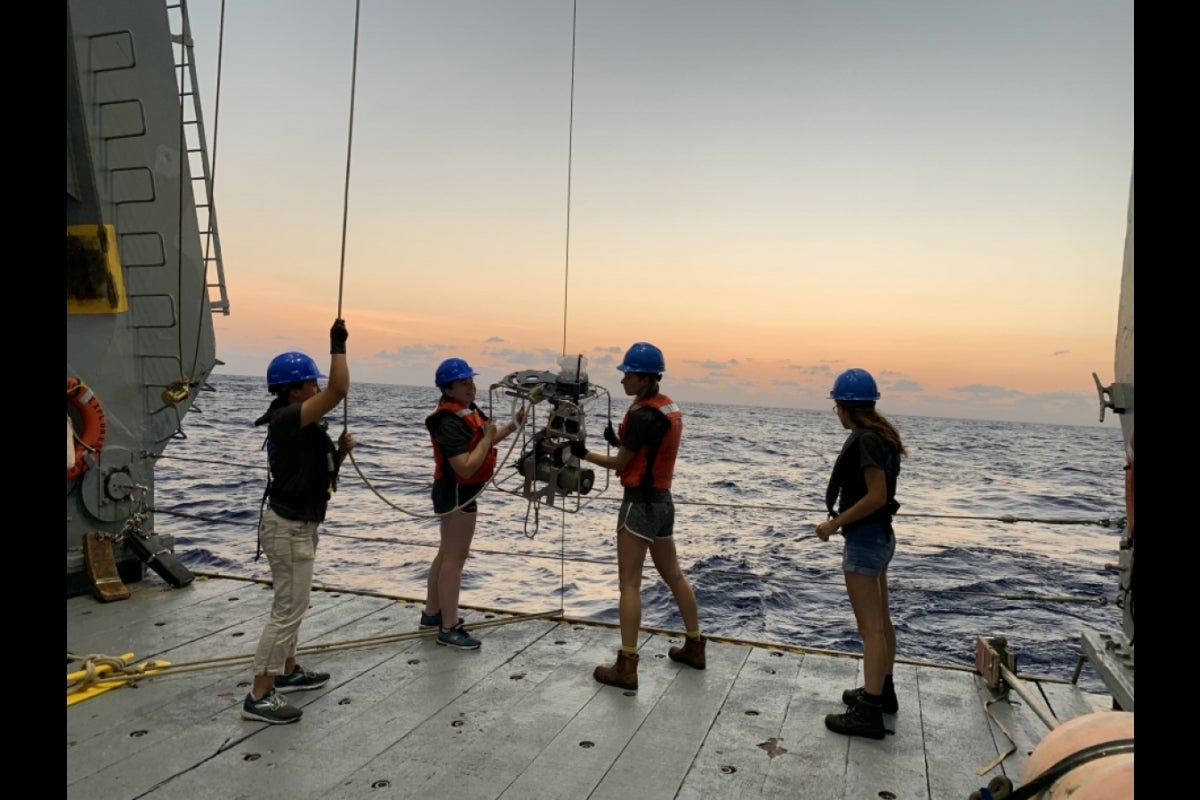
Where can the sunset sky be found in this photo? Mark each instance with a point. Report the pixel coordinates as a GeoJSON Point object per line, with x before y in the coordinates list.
{"type": "Point", "coordinates": [769, 191]}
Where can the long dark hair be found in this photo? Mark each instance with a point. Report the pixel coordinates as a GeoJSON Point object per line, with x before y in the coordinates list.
{"type": "Point", "coordinates": [869, 418]}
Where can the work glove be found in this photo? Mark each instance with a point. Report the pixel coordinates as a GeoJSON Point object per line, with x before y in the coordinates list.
{"type": "Point", "coordinates": [610, 436]}
{"type": "Point", "coordinates": [337, 337]}
{"type": "Point", "coordinates": [579, 450]}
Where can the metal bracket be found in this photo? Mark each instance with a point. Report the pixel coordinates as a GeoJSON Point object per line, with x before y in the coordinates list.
{"type": "Point", "coordinates": [999, 668]}
{"type": "Point", "coordinates": [1114, 396]}
{"type": "Point", "coordinates": [991, 658]}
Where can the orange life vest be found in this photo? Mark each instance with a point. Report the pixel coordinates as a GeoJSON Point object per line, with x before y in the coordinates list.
{"type": "Point", "coordinates": [653, 466]}
{"type": "Point", "coordinates": [474, 420]}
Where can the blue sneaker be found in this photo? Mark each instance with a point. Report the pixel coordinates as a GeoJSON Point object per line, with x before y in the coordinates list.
{"type": "Point", "coordinates": [271, 707]}
{"type": "Point", "coordinates": [458, 638]}
{"type": "Point", "coordinates": [301, 680]}
{"type": "Point", "coordinates": [431, 621]}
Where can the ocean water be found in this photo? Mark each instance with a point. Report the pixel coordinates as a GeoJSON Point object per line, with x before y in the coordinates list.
{"type": "Point", "coordinates": [1005, 528]}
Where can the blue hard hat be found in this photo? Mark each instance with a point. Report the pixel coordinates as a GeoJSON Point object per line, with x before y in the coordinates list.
{"type": "Point", "coordinates": [643, 357]}
{"type": "Point", "coordinates": [291, 367]}
{"type": "Point", "coordinates": [855, 386]}
{"type": "Point", "coordinates": [451, 370]}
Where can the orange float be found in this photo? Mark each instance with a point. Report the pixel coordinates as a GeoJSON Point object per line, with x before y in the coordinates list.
{"type": "Point", "coordinates": [1102, 742]}
{"type": "Point", "coordinates": [93, 424]}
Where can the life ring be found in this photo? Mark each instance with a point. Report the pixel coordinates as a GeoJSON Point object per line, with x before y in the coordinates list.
{"type": "Point", "coordinates": [93, 425]}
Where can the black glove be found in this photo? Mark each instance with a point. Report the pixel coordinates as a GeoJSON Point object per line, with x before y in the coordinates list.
{"type": "Point", "coordinates": [337, 337]}
{"type": "Point", "coordinates": [579, 450]}
{"type": "Point", "coordinates": [610, 435]}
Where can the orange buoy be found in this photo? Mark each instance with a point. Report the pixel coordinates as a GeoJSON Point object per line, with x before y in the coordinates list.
{"type": "Point", "coordinates": [93, 425]}
{"type": "Point", "coordinates": [1099, 778]}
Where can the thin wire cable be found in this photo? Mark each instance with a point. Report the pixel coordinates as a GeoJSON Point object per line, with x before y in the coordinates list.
{"type": "Point", "coordinates": [1103, 522]}
{"type": "Point", "coordinates": [212, 176]}
{"type": "Point", "coordinates": [183, 157]}
{"type": "Point", "coordinates": [563, 559]}
{"type": "Point", "coordinates": [570, 162]}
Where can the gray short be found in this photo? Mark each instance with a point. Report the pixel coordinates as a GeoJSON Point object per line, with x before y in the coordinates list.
{"type": "Point", "coordinates": [649, 521]}
{"type": "Point", "coordinates": [448, 495]}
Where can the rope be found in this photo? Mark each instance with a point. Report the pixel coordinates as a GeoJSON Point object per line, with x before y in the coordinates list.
{"type": "Point", "coordinates": [516, 436]}
{"type": "Point", "coordinates": [557, 615]}
{"type": "Point", "coordinates": [342, 280]}
{"type": "Point", "coordinates": [349, 152]}
{"type": "Point", "coordinates": [129, 673]}
{"type": "Point", "coordinates": [91, 668]}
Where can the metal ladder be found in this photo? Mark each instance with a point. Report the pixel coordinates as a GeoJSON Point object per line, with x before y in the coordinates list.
{"type": "Point", "coordinates": [197, 145]}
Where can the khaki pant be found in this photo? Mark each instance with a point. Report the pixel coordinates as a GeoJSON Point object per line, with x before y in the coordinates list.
{"type": "Point", "coordinates": [291, 548]}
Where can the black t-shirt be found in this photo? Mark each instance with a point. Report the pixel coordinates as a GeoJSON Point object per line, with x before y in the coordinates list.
{"type": "Point", "coordinates": [863, 448]}
{"type": "Point", "coordinates": [303, 465]}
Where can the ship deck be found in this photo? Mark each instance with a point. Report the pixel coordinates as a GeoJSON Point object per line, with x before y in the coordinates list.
{"type": "Point", "coordinates": [520, 718]}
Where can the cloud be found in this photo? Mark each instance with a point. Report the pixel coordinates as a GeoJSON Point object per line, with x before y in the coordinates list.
{"type": "Point", "coordinates": [821, 370]}
{"type": "Point", "coordinates": [903, 385]}
{"type": "Point", "coordinates": [1060, 352]}
{"type": "Point", "coordinates": [541, 357]}
{"type": "Point", "coordinates": [411, 352]}
{"type": "Point", "coordinates": [721, 366]}
{"type": "Point", "coordinates": [981, 392]}
{"type": "Point", "coordinates": [493, 340]}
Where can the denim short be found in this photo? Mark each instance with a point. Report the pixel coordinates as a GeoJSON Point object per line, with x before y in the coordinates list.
{"type": "Point", "coordinates": [869, 549]}
{"type": "Point", "coordinates": [647, 521]}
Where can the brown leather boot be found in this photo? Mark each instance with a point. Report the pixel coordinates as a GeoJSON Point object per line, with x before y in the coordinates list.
{"type": "Point", "coordinates": [692, 652]}
{"type": "Point", "coordinates": [622, 674]}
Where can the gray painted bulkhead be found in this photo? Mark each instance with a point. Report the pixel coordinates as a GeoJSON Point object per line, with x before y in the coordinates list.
{"type": "Point", "coordinates": [127, 167]}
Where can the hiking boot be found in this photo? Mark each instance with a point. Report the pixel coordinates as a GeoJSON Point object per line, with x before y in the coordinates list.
{"type": "Point", "coordinates": [622, 674]}
{"type": "Point", "coordinates": [861, 719]}
{"type": "Point", "coordinates": [889, 704]}
{"type": "Point", "coordinates": [692, 652]}
{"type": "Point", "coordinates": [301, 680]}
{"type": "Point", "coordinates": [271, 707]}
{"type": "Point", "coordinates": [430, 621]}
{"type": "Point", "coordinates": [458, 638]}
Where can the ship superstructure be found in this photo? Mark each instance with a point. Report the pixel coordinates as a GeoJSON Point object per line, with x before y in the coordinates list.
{"type": "Point", "coordinates": [144, 274]}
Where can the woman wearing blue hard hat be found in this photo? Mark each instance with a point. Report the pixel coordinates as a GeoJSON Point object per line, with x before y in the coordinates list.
{"type": "Point", "coordinates": [304, 466]}
{"type": "Point", "coordinates": [863, 489]}
{"type": "Point", "coordinates": [464, 457]}
{"type": "Point", "coordinates": [647, 444]}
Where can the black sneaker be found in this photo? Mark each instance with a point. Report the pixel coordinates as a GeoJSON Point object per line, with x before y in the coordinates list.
{"type": "Point", "coordinates": [458, 638]}
{"type": "Point", "coordinates": [271, 707]}
{"type": "Point", "coordinates": [430, 621]}
{"type": "Point", "coordinates": [301, 680]}
{"type": "Point", "coordinates": [861, 719]}
{"type": "Point", "coordinates": [889, 704]}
